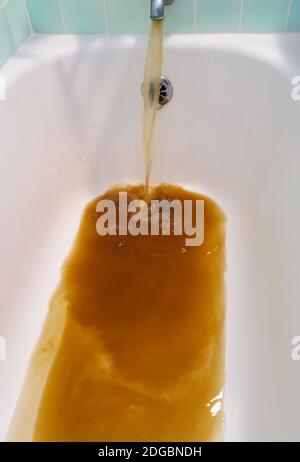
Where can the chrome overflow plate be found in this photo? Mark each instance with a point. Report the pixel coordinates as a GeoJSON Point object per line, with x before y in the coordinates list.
{"type": "Point", "coordinates": [166, 91]}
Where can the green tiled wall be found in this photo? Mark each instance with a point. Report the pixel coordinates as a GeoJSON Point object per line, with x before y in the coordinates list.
{"type": "Point", "coordinates": [14, 27]}
{"type": "Point", "coordinates": [294, 18]}
{"type": "Point", "coordinates": [218, 16]}
{"type": "Point", "coordinates": [84, 17]}
{"type": "Point", "coordinates": [46, 16]}
{"type": "Point", "coordinates": [265, 15]}
{"type": "Point", "coordinates": [19, 17]}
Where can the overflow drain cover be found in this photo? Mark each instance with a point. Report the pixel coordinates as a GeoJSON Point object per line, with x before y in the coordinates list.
{"type": "Point", "coordinates": [166, 91]}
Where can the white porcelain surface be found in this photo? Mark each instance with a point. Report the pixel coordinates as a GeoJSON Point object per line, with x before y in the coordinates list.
{"type": "Point", "coordinates": [71, 127]}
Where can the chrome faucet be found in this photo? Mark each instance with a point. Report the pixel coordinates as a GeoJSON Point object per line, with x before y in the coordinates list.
{"type": "Point", "coordinates": [157, 9]}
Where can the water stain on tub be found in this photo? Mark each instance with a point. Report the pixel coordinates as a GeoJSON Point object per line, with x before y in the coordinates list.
{"type": "Point", "coordinates": [141, 353]}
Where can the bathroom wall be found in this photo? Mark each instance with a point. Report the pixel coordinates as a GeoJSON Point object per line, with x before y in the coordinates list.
{"type": "Point", "coordinates": [14, 27]}
{"type": "Point", "coordinates": [19, 17]}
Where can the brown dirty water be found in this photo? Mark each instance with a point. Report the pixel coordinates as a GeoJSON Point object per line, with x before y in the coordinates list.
{"type": "Point", "coordinates": [141, 353]}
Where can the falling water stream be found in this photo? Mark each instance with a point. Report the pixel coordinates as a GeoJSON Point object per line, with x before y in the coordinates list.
{"type": "Point", "coordinates": [153, 72]}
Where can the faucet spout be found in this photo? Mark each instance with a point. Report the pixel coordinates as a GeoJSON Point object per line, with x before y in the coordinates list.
{"type": "Point", "coordinates": [157, 9]}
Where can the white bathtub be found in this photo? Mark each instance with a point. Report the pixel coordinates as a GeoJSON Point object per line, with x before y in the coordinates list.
{"type": "Point", "coordinates": [71, 127]}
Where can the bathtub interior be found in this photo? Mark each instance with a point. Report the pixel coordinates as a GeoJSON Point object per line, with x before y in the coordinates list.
{"type": "Point", "coordinates": [71, 127]}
